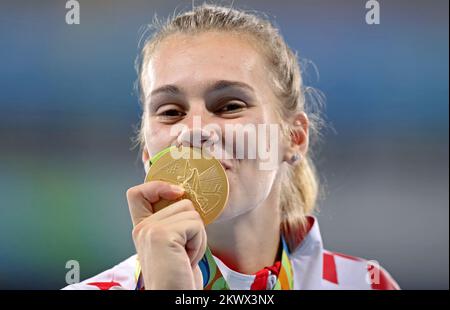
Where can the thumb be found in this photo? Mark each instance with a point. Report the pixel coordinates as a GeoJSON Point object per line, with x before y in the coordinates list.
{"type": "Point", "coordinates": [141, 197]}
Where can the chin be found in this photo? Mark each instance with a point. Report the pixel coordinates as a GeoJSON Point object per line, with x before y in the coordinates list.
{"type": "Point", "coordinates": [232, 211]}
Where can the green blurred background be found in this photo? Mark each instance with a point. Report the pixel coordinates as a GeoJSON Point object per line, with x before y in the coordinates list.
{"type": "Point", "coordinates": [67, 111]}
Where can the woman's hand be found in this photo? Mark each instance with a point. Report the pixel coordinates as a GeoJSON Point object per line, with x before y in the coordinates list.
{"type": "Point", "coordinates": [170, 242]}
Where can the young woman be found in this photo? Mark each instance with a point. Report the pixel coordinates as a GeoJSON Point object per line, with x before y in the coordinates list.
{"type": "Point", "coordinates": [229, 67]}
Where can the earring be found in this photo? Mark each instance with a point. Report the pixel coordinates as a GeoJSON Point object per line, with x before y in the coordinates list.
{"type": "Point", "coordinates": [295, 158]}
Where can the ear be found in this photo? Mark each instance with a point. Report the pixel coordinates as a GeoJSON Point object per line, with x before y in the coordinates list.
{"type": "Point", "coordinates": [146, 159]}
{"type": "Point", "coordinates": [298, 139]}
{"type": "Point", "coordinates": [145, 156]}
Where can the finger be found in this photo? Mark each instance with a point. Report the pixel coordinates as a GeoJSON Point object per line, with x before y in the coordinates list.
{"type": "Point", "coordinates": [195, 250]}
{"type": "Point", "coordinates": [201, 250]}
{"type": "Point", "coordinates": [177, 217]}
{"type": "Point", "coordinates": [181, 211]}
{"type": "Point", "coordinates": [153, 191]}
{"type": "Point", "coordinates": [193, 235]}
{"type": "Point", "coordinates": [177, 207]}
{"type": "Point", "coordinates": [187, 230]}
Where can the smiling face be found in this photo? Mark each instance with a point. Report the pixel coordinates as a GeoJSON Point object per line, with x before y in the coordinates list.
{"type": "Point", "coordinates": [221, 78]}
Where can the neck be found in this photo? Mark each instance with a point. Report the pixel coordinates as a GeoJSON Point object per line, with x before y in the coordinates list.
{"type": "Point", "coordinates": [254, 239]}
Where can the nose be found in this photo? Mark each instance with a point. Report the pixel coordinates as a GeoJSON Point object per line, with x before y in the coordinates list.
{"type": "Point", "coordinates": [197, 137]}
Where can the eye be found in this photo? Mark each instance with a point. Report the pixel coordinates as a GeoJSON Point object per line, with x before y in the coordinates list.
{"type": "Point", "coordinates": [170, 112]}
{"type": "Point", "coordinates": [231, 107]}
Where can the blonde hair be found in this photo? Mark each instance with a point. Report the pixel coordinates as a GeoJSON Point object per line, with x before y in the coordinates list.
{"type": "Point", "coordinates": [300, 185]}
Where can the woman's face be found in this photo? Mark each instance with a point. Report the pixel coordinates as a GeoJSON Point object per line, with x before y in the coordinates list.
{"type": "Point", "coordinates": [219, 78]}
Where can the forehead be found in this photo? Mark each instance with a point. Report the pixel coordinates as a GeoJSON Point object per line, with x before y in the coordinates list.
{"type": "Point", "coordinates": [203, 57]}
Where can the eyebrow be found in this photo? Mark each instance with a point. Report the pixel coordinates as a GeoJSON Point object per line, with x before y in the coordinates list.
{"type": "Point", "coordinates": [224, 84]}
{"type": "Point", "coordinates": [166, 89]}
{"type": "Point", "coordinates": [216, 86]}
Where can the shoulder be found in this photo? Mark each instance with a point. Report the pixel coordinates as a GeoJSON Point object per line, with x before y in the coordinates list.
{"type": "Point", "coordinates": [121, 276]}
{"type": "Point", "coordinates": [317, 268]}
{"type": "Point", "coordinates": [353, 272]}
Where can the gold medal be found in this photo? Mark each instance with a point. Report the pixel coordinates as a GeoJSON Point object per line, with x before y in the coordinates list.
{"type": "Point", "coordinates": [203, 179]}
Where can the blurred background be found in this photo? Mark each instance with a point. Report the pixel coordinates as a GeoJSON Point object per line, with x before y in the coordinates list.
{"type": "Point", "coordinates": [68, 111]}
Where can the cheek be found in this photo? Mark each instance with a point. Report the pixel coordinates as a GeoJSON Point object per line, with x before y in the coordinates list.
{"type": "Point", "coordinates": [244, 195]}
{"type": "Point", "coordinates": [156, 137]}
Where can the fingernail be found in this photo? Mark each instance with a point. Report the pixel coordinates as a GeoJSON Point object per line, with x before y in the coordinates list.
{"type": "Point", "coordinates": [177, 189]}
